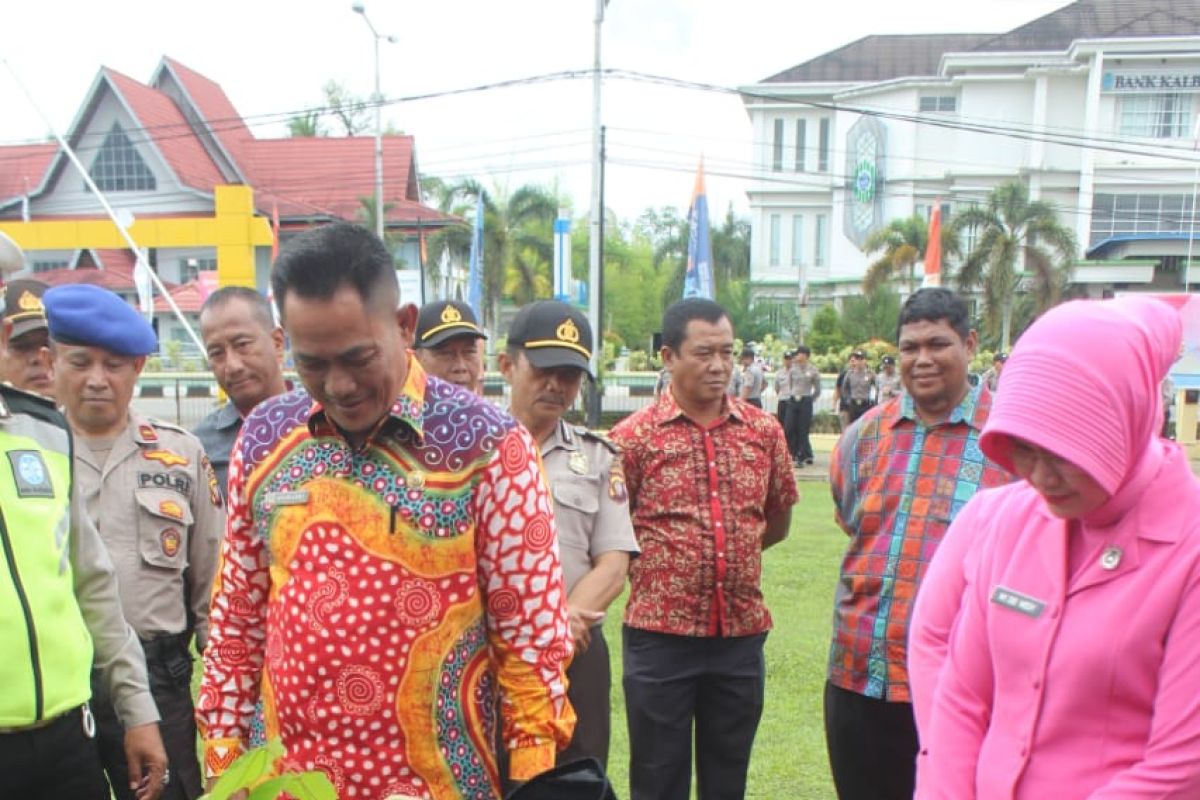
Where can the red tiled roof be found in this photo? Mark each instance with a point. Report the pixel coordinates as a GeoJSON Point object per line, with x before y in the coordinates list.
{"type": "Point", "coordinates": [305, 178]}
{"type": "Point", "coordinates": [117, 280]}
{"type": "Point", "coordinates": [170, 132]}
{"type": "Point", "coordinates": [22, 168]}
{"type": "Point", "coordinates": [325, 176]}
{"type": "Point", "coordinates": [187, 296]}
{"type": "Point", "coordinates": [120, 260]}
{"type": "Point", "coordinates": [215, 108]}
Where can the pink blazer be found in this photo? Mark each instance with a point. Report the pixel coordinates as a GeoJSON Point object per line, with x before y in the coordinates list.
{"type": "Point", "coordinates": [1082, 690]}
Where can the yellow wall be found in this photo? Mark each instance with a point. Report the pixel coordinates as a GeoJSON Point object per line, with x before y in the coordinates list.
{"type": "Point", "coordinates": [233, 230]}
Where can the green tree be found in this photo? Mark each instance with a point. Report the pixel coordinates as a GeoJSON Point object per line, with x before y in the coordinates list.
{"type": "Point", "coordinates": [825, 331]}
{"type": "Point", "coordinates": [348, 109]}
{"type": "Point", "coordinates": [870, 317]}
{"type": "Point", "coordinates": [305, 124]}
{"type": "Point", "coordinates": [1012, 230]}
{"type": "Point", "coordinates": [901, 246]}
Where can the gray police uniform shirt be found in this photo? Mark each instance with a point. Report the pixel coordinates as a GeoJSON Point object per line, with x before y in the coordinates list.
{"type": "Point", "coordinates": [805, 380]}
{"type": "Point", "coordinates": [858, 384]}
{"type": "Point", "coordinates": [156, 504]}
{"type": "Point", "coordinates": [217, 432]}
{"type": "Point", "coordinates": [752, 377]}
{"type": "Point", "coordinates": [783, 383]}
{"type": "Point", "coordinates": [735, 383]}
{"type": "Point", "coordinates": [889, 386]}
{"type": "Point", "coordinates": [117, 654]}
{"type": "Point", "coordinates": [591, 503]}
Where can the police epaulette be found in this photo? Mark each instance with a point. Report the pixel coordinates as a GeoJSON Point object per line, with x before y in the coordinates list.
{"type": "Point", "coordinates": [587, 433]}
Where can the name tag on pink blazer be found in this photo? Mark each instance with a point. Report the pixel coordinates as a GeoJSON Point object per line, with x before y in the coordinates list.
{"type": "Point", "coordinates": [1021, 603]}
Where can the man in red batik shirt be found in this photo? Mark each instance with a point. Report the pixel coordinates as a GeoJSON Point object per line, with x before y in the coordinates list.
{"type": "Point", "coordinates": [710, 487]}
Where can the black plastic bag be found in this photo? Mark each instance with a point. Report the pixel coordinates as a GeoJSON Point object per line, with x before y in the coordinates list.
{"type": "Point", "coordinates": [579, 780]}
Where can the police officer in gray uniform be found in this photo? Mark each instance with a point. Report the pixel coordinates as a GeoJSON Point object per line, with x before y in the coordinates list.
{"type": "Point", "coordinates": [153, 495]}
{"type": "Point", "coordinates": [855, 386]}
{"type": "Point", "coordinates": [549, 346]}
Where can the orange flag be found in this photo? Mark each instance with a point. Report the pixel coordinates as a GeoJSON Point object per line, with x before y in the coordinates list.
{"type": "Point", "coordinates": [933, 249]}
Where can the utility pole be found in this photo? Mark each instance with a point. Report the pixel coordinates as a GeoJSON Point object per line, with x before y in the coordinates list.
{"type": "Point", "coordinates": [361, 10]}
{"type": "Point", "coordinates": [595, 232]}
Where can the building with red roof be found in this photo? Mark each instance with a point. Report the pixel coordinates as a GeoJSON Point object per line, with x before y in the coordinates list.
{"type": "Point", "coordinates": [160, 150]}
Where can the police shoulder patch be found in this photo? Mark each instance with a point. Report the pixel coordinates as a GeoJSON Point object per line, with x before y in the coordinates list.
{"type": "Point", "coordinates": [591, 435]}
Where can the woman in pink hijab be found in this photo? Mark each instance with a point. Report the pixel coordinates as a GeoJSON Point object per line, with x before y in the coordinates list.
{"type": "Point", "coordinates": [1074, 665]}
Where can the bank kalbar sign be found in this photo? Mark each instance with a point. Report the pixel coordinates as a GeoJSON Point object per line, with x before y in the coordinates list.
{"type": "Point", "coordinates": [1188, 81]}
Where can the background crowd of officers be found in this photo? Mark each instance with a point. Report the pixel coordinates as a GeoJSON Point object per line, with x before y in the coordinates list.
{"type": "Point", "coordinates": [682, 502]}
{"type": "Point", "coordinates": [155, 496]}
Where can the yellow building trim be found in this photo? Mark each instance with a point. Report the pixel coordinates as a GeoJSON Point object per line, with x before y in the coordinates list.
{"type": "Point", "coordinates": [233, 230]}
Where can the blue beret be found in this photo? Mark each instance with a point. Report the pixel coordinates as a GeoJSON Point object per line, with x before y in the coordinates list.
{"type": "Point", "coordinates": [80, 313]}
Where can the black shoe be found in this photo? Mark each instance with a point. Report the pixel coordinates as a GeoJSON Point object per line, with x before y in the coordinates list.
{"type": "Point", "coordinates": [808, 461]}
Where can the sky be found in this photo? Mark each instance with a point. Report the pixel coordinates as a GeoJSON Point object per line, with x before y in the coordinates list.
{"type": "Point", "coordinates": [272, 57]}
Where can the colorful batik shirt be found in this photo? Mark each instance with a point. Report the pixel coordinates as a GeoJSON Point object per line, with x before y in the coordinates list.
{"type": "Point", "coordinates": [372, 603]}
{"type": "Point", "coordinates": [700, 498]}
{"type": "Point", "coordinates": [897, 483]}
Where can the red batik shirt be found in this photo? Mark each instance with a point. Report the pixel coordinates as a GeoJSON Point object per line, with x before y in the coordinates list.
{"type": "Point", "coordinates": [700, 497]}
{"type": "Point", "coordinates": [373, 602]}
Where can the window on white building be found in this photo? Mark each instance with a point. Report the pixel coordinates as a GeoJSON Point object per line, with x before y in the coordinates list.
{"type": "Point", "coordinates": [774, 244]}
{"type": "Point", "coordinates": [1155, 116]}
{"type": "Point", "coordinates": [938, 104]}
{"type": "Point", "coordinates": [801, 143]}
{"type": "Point", "coordinates": [1125, 214]}
{"type": "Point", "coordinates": [192, 267]}
{"type": "Point", "coordinates": [823, 146]}
{"type": "Point", "coordinates": [777, 147]}
{"type": "Point", "coordinates": [118, 166]}
{"type": "Point", "coordinates": [819, 241]}
{"type": "Point", "coordinates": [797, 239]}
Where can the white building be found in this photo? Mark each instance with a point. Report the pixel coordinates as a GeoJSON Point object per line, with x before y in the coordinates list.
{"type": "Point", "coordinates": [1093, 105]}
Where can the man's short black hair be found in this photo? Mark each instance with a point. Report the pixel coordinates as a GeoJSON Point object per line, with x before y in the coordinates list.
{"type": "Point", "coordinates": [260, 307]}
{"type": "Point", "coordinates": [681, 312]}
{"type": "Point", "coordinates": [320, 261]}
{"type": "Point", "coordinates": [804, 349]}
{"type": "Point", "coordinates": [933, 304]}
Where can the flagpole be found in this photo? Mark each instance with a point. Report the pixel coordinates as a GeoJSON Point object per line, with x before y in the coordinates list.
{"type": "Point", "coordinates": [1187, 263]}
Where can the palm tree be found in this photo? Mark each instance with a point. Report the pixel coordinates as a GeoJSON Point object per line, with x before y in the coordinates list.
{"type": "Point", "coordinates": [518, 240]}
{"type": "Point", "coordinates": [1012, 229]}
{"type": "Point", "coordinates": [903, 242]}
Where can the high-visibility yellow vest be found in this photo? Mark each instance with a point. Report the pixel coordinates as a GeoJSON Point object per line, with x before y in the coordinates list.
{"type": "Point", "coordinates": [47, 650]}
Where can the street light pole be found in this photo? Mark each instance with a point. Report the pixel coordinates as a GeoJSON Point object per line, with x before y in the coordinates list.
{"type": "Point", "coordinates": [361, 10]}
{"type": "Point", "coordinates": [596, 230]}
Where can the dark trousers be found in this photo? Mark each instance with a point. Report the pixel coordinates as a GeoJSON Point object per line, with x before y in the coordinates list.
{"type": "Point", "coordinates": [56, 762]}
{"type": "Point", "coordinates": [755, 401]}
{"type": "Point", "coordinates": [800, 416]}
{"type": "Point", "coordinates": [856, 408]}
{"type": "Point", "coordinates": [872, 746]}
{"type": "Point", "coordinates": [781, 410]}
{"type": "Point", "coordinates": [589, 685]}
{"type": "Point", "coordinates": [170, 667]}
{"type": "Point", "coordinates": [680, 687]}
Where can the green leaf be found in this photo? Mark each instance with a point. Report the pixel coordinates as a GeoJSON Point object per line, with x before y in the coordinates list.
{"type": "Point", "coordinates": [247, 770]}
{"type": "Point", "coordinates": [310, 786]}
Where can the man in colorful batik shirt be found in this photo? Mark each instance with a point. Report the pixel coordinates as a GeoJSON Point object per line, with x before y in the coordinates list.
{"type": "Point", "coordinates": [899, 474]}
{"type": "Point", "coordinates": [710, 487]}
{"type": "Point", "coordinates": [390, 566]}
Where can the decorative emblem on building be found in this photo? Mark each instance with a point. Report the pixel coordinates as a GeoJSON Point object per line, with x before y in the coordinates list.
{"type": "Point", "coordinates": [866, 144]}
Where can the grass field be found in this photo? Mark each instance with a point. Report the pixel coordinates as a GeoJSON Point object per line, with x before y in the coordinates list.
{"type": "Point", "coordinates": [798, 579]}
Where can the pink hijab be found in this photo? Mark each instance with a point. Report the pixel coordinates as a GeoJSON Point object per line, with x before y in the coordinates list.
{"type": "Point", "coordinates": [1084, 383]}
